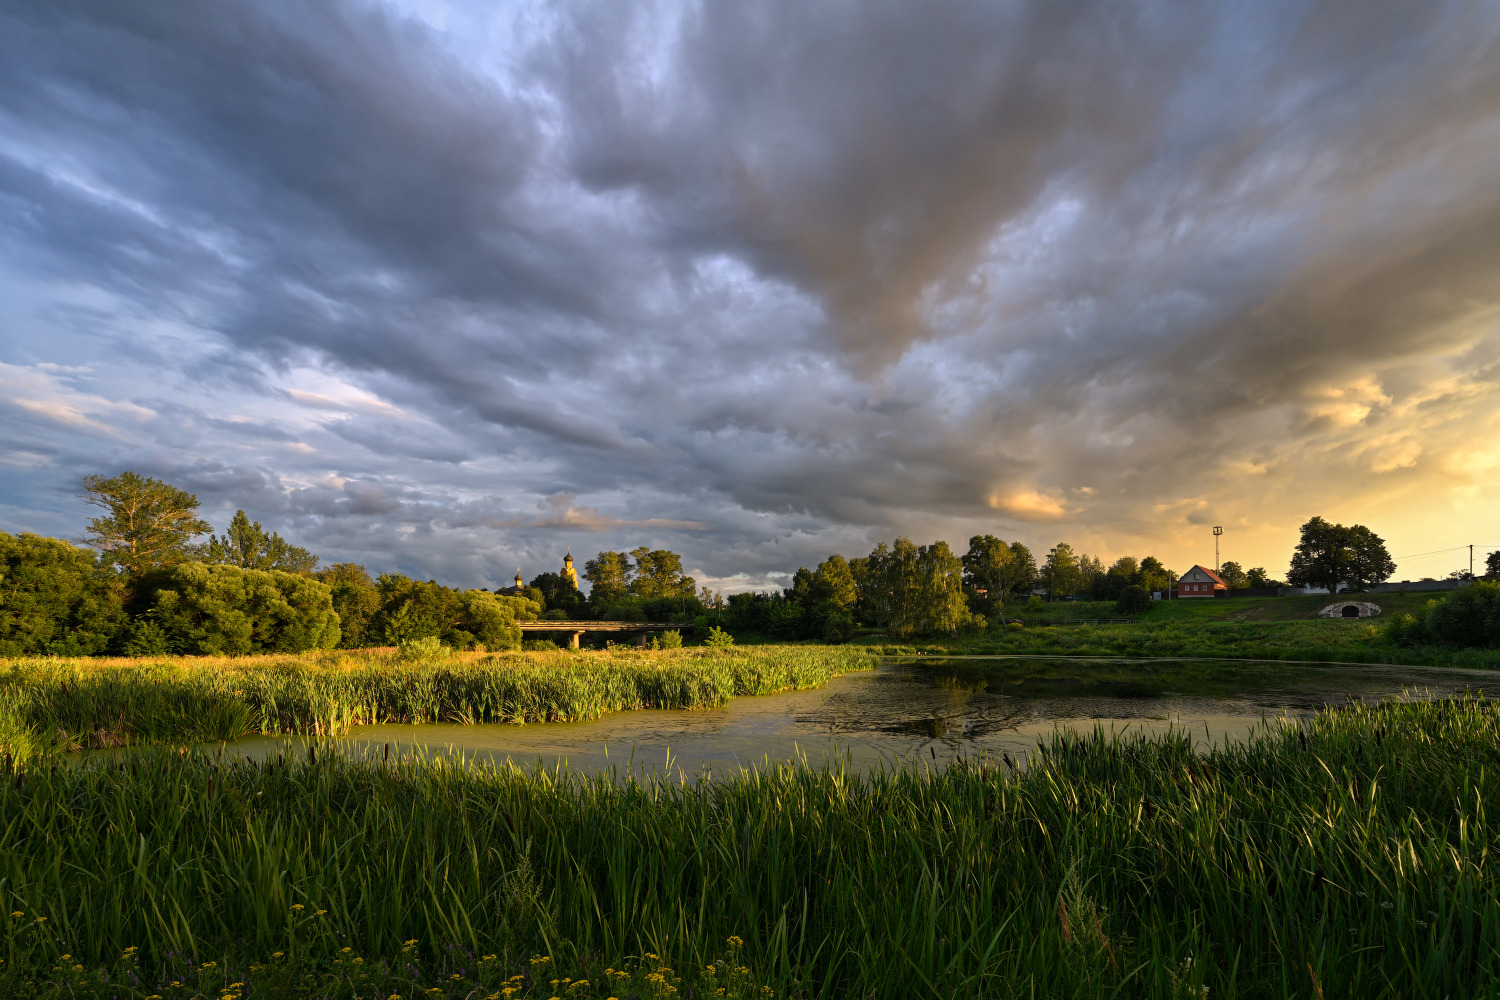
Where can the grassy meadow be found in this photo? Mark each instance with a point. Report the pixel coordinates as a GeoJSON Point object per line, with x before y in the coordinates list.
{"type": "Point", "coordinates": [1270, 628]}
{"type": "Point", "coordinates": [1346, 855]}
{"type": "Point", "coordinates": [58, 704]}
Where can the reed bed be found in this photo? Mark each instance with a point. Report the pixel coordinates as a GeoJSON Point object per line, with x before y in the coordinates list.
{"type": "Point", "coordinates": [52, 704]}
{"type": "Point", "coordinates": [1346, 855]}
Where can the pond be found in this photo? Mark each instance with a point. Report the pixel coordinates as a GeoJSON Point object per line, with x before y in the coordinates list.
{"type": "Point", "coordinates": [926, 708]}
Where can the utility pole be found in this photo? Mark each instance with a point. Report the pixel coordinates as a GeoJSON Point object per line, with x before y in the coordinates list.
{"type": "Point", "coordinates": [1471, 562]}
{"type": "Point", "coordinates": [1219, 531]}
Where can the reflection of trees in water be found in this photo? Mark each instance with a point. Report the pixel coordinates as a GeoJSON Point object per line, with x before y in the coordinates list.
{"type": "Point", "coordinates": [918, 710]}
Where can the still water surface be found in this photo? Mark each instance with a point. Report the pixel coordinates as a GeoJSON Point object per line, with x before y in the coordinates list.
{"type": "Point", "coordinates": [925, 709]}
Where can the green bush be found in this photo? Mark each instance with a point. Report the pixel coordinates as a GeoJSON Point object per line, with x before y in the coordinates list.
{"type": "Point", "coordinates": [425, 652]}
{"type": "Point", "coordinates": [1133, 600]}
{"type": "Point", "coordinates": [838, 629]}
{"type": "Point", "coordinates": [463, 619]}
{"type": "Point", "coordinates": [1468, 618]}
{"type": "Point", "coordinates": [144, 637]}
{"type": "Point", "coordinates": [670, 639]}
{"type": "Point", "coordinates": [56, 598]}
{"type": "Point", "coordinates": [786, 620]}
{"type": "Point", "coordinates": [538, 646]}
{"type": "Point", "coordinates": [227, 610]}
{"type": "Point", "coordinates": [718, 638]}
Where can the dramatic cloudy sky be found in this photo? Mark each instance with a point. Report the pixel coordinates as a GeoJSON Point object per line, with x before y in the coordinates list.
{"type": "Point", "coordinates": [447, 287]}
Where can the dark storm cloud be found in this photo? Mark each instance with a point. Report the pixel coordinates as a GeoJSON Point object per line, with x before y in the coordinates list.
{"type": "Point", "coordinates": [799, 275]}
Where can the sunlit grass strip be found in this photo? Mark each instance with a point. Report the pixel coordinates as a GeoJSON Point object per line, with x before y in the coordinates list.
{"type": "Point", "coordinates": [1351, 855]}
{"type": "Point", "coordinates": [61, 703]}
{"type": "Point", "coordinates": [1310, 642]}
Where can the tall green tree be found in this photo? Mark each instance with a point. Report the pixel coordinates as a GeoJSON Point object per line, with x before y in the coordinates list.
{"type": "Point", "coordinates": [1369, 560]}
{"type": "Point", "coordinates": [940, 600]}
{"type": "Point", "coordinates": [984, 565]}
{"type": "Point", "coordinates": [1257, 576]}
{"type": "Point", "coordinates": [356, 600]}
{"type": "Point", "coordinates": [558, 594]}
{"type": "Point", "coordinates": [56, 598]}
{"type": "Point", "coordinates": [1233, 576]}
{"type": "Point", "coordinates": [147, 523]}
{"type": "Point", "coordinates": [1328, 554]}
{"type": "Point", "coordinates": [1121, 574]}
{"type": "Point", "coordinates": [1492, 565]}
{"type": "Point", "coordinates": [1020, 573]}
{"type": "Point", "coordinates": [249, 546]}
{"type": "Point", "coordinates": [1153, 575]}
{"type": "Point", "coordinates": [868, 574]}
{"type": "Point", "coordinates": [658, 573]}
{"type": "Point", "coordinates": [608, 575]}
{"type": "Point", "coordinates": [1090, 572]}
{"type": "Point", "coordinates": [1061, 574]}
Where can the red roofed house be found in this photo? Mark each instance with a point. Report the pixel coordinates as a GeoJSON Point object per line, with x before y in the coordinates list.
{"type": "Point", "coordinates": [1200, 582]}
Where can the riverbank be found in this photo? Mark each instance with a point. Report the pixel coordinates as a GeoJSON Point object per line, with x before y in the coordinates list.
{"type": "Point", "coordinates": [1342, 856]}
{"type": "Point", "coordinates": [50, 705]}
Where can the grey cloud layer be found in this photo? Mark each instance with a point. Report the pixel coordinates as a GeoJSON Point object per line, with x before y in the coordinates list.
{"type": "Point", "coordinates": [799, 275]}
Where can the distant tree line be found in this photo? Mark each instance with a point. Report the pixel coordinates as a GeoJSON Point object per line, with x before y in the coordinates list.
{"type": "Point", "coordinates": [144, 585]}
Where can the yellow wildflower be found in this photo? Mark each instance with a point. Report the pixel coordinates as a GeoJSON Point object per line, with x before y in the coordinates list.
{"type": "Point", "coordinates": [277, 954]}
{"type": "Point", "coordinates": [298, 906]}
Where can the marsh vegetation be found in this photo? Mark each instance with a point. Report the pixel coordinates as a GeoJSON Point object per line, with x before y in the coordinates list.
{"type": "Point", "coordinates": [1349, 854]}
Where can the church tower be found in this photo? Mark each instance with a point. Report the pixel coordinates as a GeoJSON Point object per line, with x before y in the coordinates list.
{"type": "Point", "coordinates": [569, 573]}
{"type": "Point", "coordinates": [520, 586]}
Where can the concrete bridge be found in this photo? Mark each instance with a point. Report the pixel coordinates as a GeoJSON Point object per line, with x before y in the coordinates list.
{"type": "Point", "coordinates": [576, 629]}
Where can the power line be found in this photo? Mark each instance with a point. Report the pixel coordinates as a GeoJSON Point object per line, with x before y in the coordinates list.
{"type": "Point", "coordinates": [1434, 552]}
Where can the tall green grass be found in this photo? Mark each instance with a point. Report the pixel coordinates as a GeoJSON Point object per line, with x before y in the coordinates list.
{"type": "Point", "coordinates": [1347, 856]}
{"type": "Point", "coordinates": [52, 703]}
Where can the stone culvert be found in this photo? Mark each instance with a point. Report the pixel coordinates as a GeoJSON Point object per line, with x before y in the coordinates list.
{"type": "Point", "coordinates": [1350, 609]}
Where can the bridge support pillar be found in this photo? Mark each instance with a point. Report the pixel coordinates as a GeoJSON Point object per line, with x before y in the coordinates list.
{"type": "Point", "coordinates": [573, 642]}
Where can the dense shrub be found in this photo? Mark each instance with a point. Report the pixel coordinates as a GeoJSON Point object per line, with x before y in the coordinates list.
{"type": "Point", "coordinates": [747, 612]}
{"type": "Point", "coordinates": [1467, 618]}
{"type": "Point", "coordinates": [463, 619]}
{"type": "Point", "coordinates": [227, 610]}
{"type": "Point", "coordinates": [357, 601]}
{"type": "Point", "coordinates": [838, 628]}
{"type": "Point", "coordinates": [786, 620]}
{"type": "Point", "coordinates": [56, 598]}
{"type": "Point", "coordinates": [1133, 600]}
{"type": "Point", "coordinates": [670, 639]}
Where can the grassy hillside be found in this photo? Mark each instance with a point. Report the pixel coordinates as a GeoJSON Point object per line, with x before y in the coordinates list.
{"type": "Point", "coordinates": [1278, 609]}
